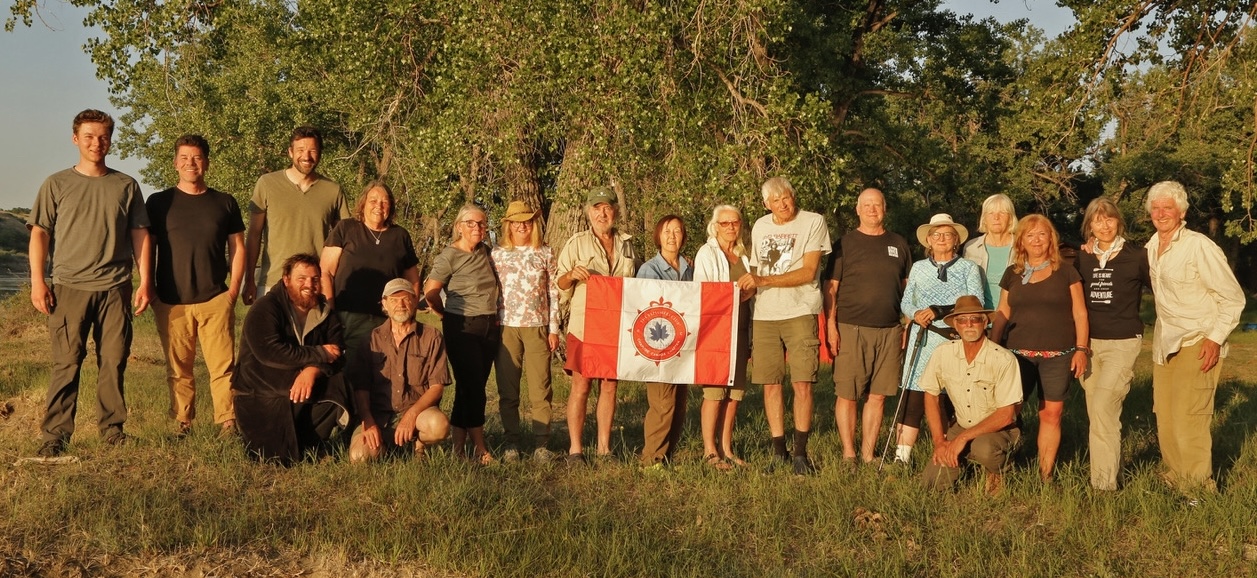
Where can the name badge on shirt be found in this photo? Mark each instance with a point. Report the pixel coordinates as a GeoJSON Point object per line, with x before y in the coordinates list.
{"type": "Point", "coordinates": [893, 252]}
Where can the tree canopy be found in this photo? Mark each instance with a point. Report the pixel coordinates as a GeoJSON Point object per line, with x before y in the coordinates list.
{"type": "Point", "coordinates": [684, 104]}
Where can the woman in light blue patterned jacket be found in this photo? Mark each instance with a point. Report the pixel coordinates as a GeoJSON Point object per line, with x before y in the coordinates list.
{"type": "Point", "coordinates": [937, 280]}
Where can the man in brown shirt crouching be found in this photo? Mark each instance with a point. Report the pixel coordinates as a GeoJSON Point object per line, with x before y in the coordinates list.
{"type": "Point", "coordinates": [398, 379]}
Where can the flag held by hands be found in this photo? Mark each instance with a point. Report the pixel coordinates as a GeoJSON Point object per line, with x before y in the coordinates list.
{"type": "Point", "coordinates": [662, 331]}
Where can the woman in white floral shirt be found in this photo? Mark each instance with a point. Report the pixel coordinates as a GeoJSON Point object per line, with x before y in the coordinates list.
{"type": "Point", "coordinates": [529, 314]}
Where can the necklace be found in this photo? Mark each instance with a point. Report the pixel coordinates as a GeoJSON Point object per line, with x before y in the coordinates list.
{"type": "Point", "coordinates": [373, 235]}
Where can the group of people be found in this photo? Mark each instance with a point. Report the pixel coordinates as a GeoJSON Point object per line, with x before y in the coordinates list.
{"type": "Point", "coordinates": [331, 337]}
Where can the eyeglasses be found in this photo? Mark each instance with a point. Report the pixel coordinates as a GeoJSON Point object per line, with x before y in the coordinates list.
{"type": "Point", "coordinates": [728, 224]}
{"type": "Point", "coordinates": [970, 320]}
{"type": "Point", "coordinates": [470, 224]}
{"type": "Point", "coordinates": [942, 235]}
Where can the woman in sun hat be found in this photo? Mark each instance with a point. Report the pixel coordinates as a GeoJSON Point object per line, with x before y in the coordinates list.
{"type": "Point", "coordinates": [529, 314]}
{"type": "Point", "coordinates": [934, 282]}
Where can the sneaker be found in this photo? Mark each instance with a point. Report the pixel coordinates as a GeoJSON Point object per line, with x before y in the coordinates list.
{"type": "Point", "coordinates": [51, 449]}
{"type": "Point", "coordinates": [510, 456]}
{"type": "Point", "coordinates": [185, 429]}
{"type": "Point", "coordinates": [117, 438]}
{"type": "Point", "coordinates": [543, 455]}
{"type": "Point", "coordinates": [803, 466]}
{"type": "Point", "coordinates": [576, 460]}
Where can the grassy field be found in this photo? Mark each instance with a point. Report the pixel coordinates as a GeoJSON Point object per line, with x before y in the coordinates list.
{"type": "Point", "coordinates": [197, 507]}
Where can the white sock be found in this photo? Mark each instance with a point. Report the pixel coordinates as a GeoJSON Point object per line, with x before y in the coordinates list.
{"type": "Point", "coordinates": [903, 453]}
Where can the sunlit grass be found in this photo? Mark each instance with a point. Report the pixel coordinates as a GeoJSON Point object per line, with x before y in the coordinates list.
{"type": "Point", "coordinates": [164, 504]}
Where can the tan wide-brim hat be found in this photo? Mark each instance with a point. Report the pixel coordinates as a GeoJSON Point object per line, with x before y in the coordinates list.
{"type": "Point", "coordinates": [967, 304]}
{"type": "Point", "coordinates": [940, 219]}
{"type": "Point", "coordinates": [519, 212]}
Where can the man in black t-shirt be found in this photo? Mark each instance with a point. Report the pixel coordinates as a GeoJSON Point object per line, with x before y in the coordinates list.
{"type": "Point", "coordinates": [199, 244]}
{"type": "Point", "coordinates": [866, 278]}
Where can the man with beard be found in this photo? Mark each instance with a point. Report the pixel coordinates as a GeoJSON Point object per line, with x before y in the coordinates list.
{"type": "Point", "coordinates": [398, 378]}
{"type": "Point", "coordinates": [984, 382]}
{"type": "Point", "coordinates": [289, 392]}
{"type": "Point", "coordinates": [291, 211]}
{"type": "Point", "coordinates": [601, 250]}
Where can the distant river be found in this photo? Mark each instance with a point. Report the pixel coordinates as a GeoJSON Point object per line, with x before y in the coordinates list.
{"type": "Point", "coordinates": [10, 284]}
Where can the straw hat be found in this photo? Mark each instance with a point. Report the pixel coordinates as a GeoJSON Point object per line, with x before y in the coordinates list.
{"type": "Point", "coordinates": [937, 220]}
{"type": "Point", "coordinates": [967, 304]}
{"type": "Point", "coordinates": [519, 212]}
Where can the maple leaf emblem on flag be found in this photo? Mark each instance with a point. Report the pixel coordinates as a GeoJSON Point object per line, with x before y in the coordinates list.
{"type": "Point", "coordinates": [659, 331]}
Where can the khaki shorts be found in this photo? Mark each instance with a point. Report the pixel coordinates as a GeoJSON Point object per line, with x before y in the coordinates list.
{"type": "Point", "coordinates": [718, 393]}
{"type": "Point", "coordinates": [869, 361]}
{"type": "Point", "coordinates": [774, 344]}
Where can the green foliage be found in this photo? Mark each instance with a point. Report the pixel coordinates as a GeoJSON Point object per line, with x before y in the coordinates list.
{"type": "Point", "coordinates": [684, 104]}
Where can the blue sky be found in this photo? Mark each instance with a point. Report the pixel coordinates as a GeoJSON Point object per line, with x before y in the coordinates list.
{"type": "Point", "coordinates": [48, 79]}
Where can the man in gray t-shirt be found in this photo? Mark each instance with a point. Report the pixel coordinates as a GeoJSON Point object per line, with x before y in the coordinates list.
{"type": "Point", "coordinates": [292, 211]}
{"type": "Point", "coordinates": [93, 221]}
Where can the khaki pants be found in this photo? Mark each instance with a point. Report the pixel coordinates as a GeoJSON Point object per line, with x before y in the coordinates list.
{"type": "Point", "coordinates": [180, 327]}
{"type": "Point", "coordinates": [1107, 382]}
{"type": "Point", "coordinates": [1182, 398]}
{"type": "Point", "coordinates": [665, 418]}
{"type": "Point", "coordinates": [990, 451]}
{"type": "Point", "coordinates": [524, 351]}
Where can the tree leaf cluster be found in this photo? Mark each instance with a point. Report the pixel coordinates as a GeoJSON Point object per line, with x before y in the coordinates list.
{"type": "Point", "coordinates": [681, 105]}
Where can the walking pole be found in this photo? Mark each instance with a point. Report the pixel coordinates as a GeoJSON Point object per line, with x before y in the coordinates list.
{"type": "Point", "coordinates": [903, 385]}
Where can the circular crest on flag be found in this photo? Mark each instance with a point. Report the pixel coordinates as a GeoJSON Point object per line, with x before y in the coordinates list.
{"type": "Point", "coordinates": [659, 331]}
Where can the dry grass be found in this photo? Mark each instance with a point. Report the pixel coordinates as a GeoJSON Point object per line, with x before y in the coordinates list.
{"type": "Point", "coordinates": [197, 507]}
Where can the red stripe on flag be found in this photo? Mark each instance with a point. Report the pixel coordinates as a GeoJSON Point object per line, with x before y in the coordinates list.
{"type": "Point", "coordinates": [711, 363]}
{"type": "Point", "coordinates": [600, 353]}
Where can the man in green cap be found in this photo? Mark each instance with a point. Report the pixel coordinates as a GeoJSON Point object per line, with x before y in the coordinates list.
{"type": "Point", "coordinates": [601, 250]}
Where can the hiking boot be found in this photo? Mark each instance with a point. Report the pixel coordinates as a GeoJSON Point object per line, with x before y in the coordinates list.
{"type": "Point", "coordinates": [510, 456]}
{"type": "Point", "coordinates": [184, 430]}
{"type": "Point", "coordinates": [543, 455]}
{"type": "Point", "coordinates": [118, 438]}
{"type": "Point", "coordinates": [803, 466]}
{"type": "Point", "coordinates": [51, 449]}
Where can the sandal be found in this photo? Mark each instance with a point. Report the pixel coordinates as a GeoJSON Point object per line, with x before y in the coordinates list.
{"type": "Point", "coordinates": [717, 463]}
{"type": "Point", "coordinates": [735, 461]}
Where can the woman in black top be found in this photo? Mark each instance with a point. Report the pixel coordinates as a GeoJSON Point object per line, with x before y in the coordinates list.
{"type": "Point", "coordinates": [1042, 318]}
{"type": "Point", "coordinates": [1114, 274]}
{"type": "Point", "coordinates": [360, 256]}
